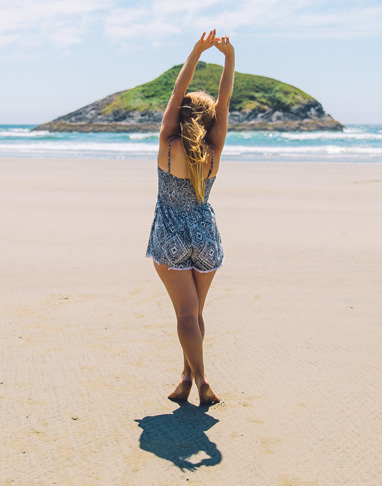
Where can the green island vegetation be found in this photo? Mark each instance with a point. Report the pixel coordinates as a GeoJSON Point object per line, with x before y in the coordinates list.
{"type": "Point", "coordinates": [250, 92]}
{"type": "Point", "coordinates": [257, 103]}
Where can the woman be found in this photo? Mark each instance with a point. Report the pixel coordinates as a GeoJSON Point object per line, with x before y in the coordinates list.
{"type": "Point", "coordinates": [184, 240]}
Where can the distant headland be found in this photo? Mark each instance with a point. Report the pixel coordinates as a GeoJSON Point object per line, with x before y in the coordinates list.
{"type": "Point", "coordinates": [257, 103]}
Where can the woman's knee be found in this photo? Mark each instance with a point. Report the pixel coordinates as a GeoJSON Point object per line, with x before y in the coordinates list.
{"type": "Point", "coordinates": [187, 308]}
{"type": "Point", "coordinates": [187, 313]}
{"type": "Point", "coordinates": [188, 324]}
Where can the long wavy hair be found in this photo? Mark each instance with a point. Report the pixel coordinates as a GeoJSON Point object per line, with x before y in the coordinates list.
{"type": "Point", "coordinates": [196, 116]}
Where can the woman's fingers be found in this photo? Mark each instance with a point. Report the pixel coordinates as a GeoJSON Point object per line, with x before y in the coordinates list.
{"type": "Point", "coordinates": [211, 36]}
{"type": "Point", "coordinates": [217, 42]}
{"type": "Point", "coordinates": [206, 42]}
{"type": "Point", "coordinates": [223, 44]}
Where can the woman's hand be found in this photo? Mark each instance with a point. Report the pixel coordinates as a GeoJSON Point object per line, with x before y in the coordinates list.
{"type": "Point", "coordinates": [224, 45]}
{"type": "Point", "coordinates": [204, 44]}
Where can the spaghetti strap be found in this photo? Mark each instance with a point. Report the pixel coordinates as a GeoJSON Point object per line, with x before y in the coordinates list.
{"type": "Point", "coordinates": [212, 162]}
{"type": "Point", "coordinates": [168, 157]}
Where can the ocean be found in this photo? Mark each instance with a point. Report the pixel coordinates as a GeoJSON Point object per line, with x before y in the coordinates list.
{"type": "Point", "coordinates": [358, 143]}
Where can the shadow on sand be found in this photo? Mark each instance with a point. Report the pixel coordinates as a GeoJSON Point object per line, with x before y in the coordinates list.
{"type": "Point", "coordinates": [180, 435]}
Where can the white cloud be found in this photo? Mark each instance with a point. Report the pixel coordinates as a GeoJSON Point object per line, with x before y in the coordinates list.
{"type": "Point", "coordinates": [28, 24]}
{"type": "Point", "coordinates": [294, 18]}
{"type": "Point", "coordinates": [157, 21]}
{"type": "Point", "coordinates": [6, 39]}
{"type": "Point", "coordinates": [61, 22]}
{"type": "Point", "coordinates": [136, 22]}
{"type": "Point", "coordinates": [359, 22]}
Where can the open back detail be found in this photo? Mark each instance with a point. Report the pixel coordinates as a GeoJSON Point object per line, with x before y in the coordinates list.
{"type": "Point", "coordinates": [184, 233]}
{"type": "Point", "coordinates": [168, 158]}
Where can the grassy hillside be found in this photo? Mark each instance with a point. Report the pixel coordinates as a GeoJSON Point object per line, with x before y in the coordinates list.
{"type": "Point", "coordinates": [250, 91]}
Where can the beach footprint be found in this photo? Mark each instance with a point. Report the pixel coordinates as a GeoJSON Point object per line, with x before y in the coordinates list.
{"type": "Point", "coordinates": [285, 480]}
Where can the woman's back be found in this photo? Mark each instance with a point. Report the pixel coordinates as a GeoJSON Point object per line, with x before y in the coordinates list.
{"type": "Point", "coordinates": [178, 159]}
{"type": "Point", "coordinates": [178, 192]}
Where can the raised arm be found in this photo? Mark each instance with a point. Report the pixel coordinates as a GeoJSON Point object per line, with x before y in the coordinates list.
{"type": "Point", "coordinates": [218, 131]}
{"type": "Point", "coordinates": [170, 119]}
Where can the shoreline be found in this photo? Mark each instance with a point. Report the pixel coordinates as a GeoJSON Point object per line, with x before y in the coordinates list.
{"type": "Point", "coordinates": [225, 159]}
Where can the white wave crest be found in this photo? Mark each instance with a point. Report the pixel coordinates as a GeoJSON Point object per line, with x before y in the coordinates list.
{"type": "Point", "coordinates": [325, 149]}
{"type": "Point", "coordinates": [22, 133]}
{"type": "Point", "coordinates": [332, 136]}
{"type": "Point", "coordinates": [117, 147]}
{"type": "Point", "coordinates": [79, 147]}
{"type": "Point", "coordinates": [143, 136]}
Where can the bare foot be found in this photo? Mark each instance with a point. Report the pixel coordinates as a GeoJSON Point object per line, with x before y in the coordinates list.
{"type": "Point", "coordinates": [206, 395]}
{"type": "Point", "coordinates": [183, 389]}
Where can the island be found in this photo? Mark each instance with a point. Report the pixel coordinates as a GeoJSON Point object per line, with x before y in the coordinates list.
{"type": "Point", "coordinates": [257, 103]}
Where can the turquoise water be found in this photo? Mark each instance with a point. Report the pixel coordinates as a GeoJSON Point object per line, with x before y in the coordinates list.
{"type": "Point", "coordinates": [358, 143]}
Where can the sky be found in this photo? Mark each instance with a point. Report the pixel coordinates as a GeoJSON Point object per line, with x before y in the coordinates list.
{"type": "Point", "coordinates": [59, 55]}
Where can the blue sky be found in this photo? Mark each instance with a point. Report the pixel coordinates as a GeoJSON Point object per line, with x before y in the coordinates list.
{"type": "Point", "coordinates": [59, 55]}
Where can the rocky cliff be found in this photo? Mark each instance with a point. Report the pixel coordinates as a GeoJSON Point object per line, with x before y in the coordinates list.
{"type": "Point", "coordinates": [258, 103]}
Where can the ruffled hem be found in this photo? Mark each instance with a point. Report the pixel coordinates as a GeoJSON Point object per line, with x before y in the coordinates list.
{"type": "Point", "coordinates": [148, 255]}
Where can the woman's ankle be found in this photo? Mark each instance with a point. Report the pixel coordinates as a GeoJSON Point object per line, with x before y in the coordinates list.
{"type": "Point", "coordinates": [200, 379]}
{"type": "Point", "coordinates": [187, 375]}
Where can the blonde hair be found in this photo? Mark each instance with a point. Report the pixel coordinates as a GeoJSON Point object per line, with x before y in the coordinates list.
{"type": "Point", "coordinates": [196, 116]}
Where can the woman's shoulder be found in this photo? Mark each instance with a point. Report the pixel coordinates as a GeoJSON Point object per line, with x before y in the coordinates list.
{"type": "Point", "coordinates": [216, 136]}
{"type": "Point", "coordinates": [168, 146]}
{"type": "Point", "coordinates": [166, 142]}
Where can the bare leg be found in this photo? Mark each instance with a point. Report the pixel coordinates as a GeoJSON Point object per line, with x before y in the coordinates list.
{"type": "Point", "coordinates": [182, 289]}
{"type": "Point", "coordinates": [187, 374]}
{"type": "Point", "coordinates": [203, 282]}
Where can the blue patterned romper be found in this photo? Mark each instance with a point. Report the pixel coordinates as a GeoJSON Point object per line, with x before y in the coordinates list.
{"type": "Point", "coordinates": [184, 234]}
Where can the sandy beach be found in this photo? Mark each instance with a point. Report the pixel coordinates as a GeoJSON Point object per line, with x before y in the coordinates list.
{"type": "Point", "coordinates": [89, 349]}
